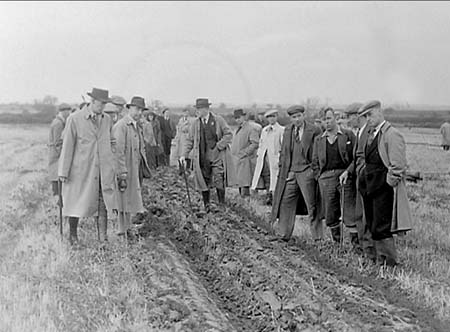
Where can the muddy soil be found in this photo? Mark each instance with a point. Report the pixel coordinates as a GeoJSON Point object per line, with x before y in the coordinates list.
{"type": "Point", "coordinates": [272, 286]}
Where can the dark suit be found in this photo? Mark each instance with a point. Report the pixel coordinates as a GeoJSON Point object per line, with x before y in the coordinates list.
{"type": "Point", "coordinates": [297, 192]}
{"type": "Point", "coordinates": [168, 132]}
{"type": "Point", "coordinates": [328, 177]}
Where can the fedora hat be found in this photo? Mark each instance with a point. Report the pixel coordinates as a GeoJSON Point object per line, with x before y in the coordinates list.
{"type": "Point", "coordinates": [238, 113]}
{"type": "Point", "coordinates": [99, 94]}
{"type": "Point", "coordinates": [202, 103]}
{"type": "Point", "coordinates": [137, 101]}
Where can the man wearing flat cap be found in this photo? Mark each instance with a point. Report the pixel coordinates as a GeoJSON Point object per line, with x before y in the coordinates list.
{"type": "Point", "coordinates": [243, 148]}
{"type": "Point", "coordinates": [333, 153]}
{"type": "Point", "coordinates": [360, 128]}
{"type": "Point", "coordinates": [86, 166]}
{"type": "Point", "coordinates": [131, 160]}
{"type": "Point", "coordinates": [382, 183]}
{"type": "Point", "coordinates": [118, 103]}
{"type": "Point", "coordinates": [268, 154]}
{"type": "Point", "coordinates": [55, 144]}
{"type": "Point", "coordinates": [208, 139]}
{"type": "Point", "coordinates": [296, 191]}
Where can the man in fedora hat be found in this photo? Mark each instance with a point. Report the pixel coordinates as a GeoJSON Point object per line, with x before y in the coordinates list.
{"type": "Point", "coordinates": [208, 139]}
{"type": "Point", "coordinates": [130, 160]}
{"type": "Point", "coordinates": [382, 183]}
{"type": "Point", "coordinates": [86, 166]}
{"type": "Point", "coordinates": [358, 124]}
{"type": "Point", "coordinates": [55, 144]}
{"type": "Point", "coordinates": [243, 148]}
{"type": "Point", "coordinates": [296, 191]}
{"type": "Point", "coordinates": [268, 154]}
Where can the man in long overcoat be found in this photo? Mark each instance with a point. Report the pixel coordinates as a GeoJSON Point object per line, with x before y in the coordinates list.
{"type": "Point", "coordinates": [333, 153]}
{"type": "Point", "coordinates": [243, 148]}
{"type": "Point", "coordinates": [445, 132]}
{"type": "Point", "coordinates": [55, 144]}
{"type": "Point", "coordinates": [209, 137]}
{"type": "Point", "coordinates": [183, 126]}
{"type": "Point", "coordinates": [266, 170]}
{"type": "Point", "coordinates": [130, 157]}
{"type": "Point", "coordinates": [152, 139]}
{"type": "Point", "coordinates": [382, 183]}
{"type": "Point", "coordinates": [360, 127]}
{"type": "Point", "coordinates": [296, 191]}
{"type": "Point", "coordinates": [86, 166]}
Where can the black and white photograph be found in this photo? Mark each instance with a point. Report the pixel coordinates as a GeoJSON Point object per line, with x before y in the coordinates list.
{"type": "Point", "coordinates": [225, 166]}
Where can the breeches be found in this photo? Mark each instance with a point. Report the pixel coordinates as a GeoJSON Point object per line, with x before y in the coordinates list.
{"type": "Point", "coordinates": [378, 212]}
{"type": "Point", "coordinates": [331, 191]}
{"type": "Point", "coordinates": [213, 171]}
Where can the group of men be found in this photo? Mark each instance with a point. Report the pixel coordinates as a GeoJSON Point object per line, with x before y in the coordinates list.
{"type": "Point", "coordinates": [352, 176]}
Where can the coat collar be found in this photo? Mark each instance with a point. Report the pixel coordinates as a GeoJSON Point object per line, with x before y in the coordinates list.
{"type": "Point", "coordinates": [91, 114]}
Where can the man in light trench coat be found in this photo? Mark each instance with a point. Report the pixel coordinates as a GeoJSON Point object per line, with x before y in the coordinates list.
{"type": "Point", "coordinates": [208, 139]}
{"type": "Point", "coordinates": [266, 171]}
{"type": "Point", "coordinates": [130, 156]}
{"type": "Point", "coordinates": [243, 148]}
{"type": "Point", "coordinates": [382, 183]}
{"type": "Point", "coordinates": [86, 166]}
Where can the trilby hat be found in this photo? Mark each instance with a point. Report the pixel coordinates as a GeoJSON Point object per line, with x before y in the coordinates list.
{"type": "Point", "coordinates": [364, 109]}
{"type": "Point", "coordinates": [238, 113]}
{"type": "Point", "coordinates": [137, 101]}
{"type": "Point", "coordinates": [202, 103]}
{"type": "Point", "coordinates": [99, 94]}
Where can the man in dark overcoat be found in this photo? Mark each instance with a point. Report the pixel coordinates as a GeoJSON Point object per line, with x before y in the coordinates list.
{"type": "Point", "coordinates": [296, 191]}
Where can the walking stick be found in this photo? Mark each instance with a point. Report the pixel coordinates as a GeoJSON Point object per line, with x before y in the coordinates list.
{"type": "Point", "coordinates": [187, 184]}
{"type": "Point", "coordinates": [342, 216]}
{"type": "Point", "coordinates": [60, 204]}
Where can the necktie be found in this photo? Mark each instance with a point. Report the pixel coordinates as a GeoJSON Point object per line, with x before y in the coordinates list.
{"type": "Point", "coordinates": [371, 137]}
{"type": "Point", "coordinates": [297, 134]}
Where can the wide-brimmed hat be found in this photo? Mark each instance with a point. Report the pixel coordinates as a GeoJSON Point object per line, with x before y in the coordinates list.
{"type": "Point", "coordinates": [118, 100]}
{"type": "Point", "coordinates": [238, 113]}
{"type": "Point", "coordinates": [202, 103]}
{"type": "Point", "coordinates": [294, 109]}
{"type": "Point", "coordinates": [64, 107]}
{"type": "Point", "coordinates": [99, 94]}
{"type": "Point", "coordinates": [364, 109]}
{"type": "Point", "coordinates": [352, 108]}
{"type": "Point", "coordinates": [271, 112]}
{"type": "Point", "coordinates": [137, 101]}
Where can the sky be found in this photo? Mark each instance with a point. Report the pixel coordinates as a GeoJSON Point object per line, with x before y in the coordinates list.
{"type": "Point", "coordinates": [231, 52]}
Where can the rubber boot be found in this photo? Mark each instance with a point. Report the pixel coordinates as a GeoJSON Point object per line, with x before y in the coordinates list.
{"type": "Point", "coordinates": [336, 233]}
{"type": "Point", "coordinates": [73, 227]}
{"type": "Point", "coordinates": [205, 195]}
{"type": "Point", "coordinates": [103, 228]}
{"type": "Point", "coordinates": [221, 195]}
{"type": "Point", "coordinates": [386, 251]}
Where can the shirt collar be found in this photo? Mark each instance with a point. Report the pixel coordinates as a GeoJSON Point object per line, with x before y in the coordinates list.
{"type": "Point", "coordinates": [90, 113]}
{"type": "Point", "coordinates": [377, 129]}
{"type": "Point", "coordinates": [339, 131]}
{"type": "Point", "coordinates": [130, 120]}
{"type": "Point", "coordinates": [206, 119]}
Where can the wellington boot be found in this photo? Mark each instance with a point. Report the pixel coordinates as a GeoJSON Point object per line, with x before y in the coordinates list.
{"type": "Point", "coordinates": [221, 195]}
{"type": "Point", "coordinates": [73, 230]}
{"type": "Point", "coordinates": [386, 251]}
{"type": "Point", "coordinates": [205, 195]}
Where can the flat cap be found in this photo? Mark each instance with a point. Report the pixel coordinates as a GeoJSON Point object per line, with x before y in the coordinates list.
{"type": "Point", "coordinates": [118, 100]}
{"type": "Point", "coordinates": [271, 112]}
{"type": "Point", "coordinates": [364, 109]}
{"type": "Point", "coordinates": [295, 109]}
{"type": "Point", "coordinates": [353, 108]}
{"type": "Point", "coordinates": [238, 113]}
{"type": "Point", "coordinates": [64, 107]}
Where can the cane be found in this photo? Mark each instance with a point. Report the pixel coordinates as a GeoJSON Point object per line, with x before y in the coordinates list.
{"type": "Point", "coordinates": [342, 217]}
{"type": "Point", "coordinates": [60, 204]}
{"type": "Point", "coordinates": [187, 184]}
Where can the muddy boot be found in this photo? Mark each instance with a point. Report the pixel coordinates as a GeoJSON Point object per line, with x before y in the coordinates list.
{"type": "Point", "coordinates": [355, 243]}
{"type": "Point", "coordinates": [336, 233]}
{"type": "Point", "coordinates": [221, 196]}
{"type": "Point", "coordinates": [269, 198]}
{"type": "Point", "coordinates": [386, 252]}
{"type": "Point", "coordinates": [73, 227]}
{"type": "Point", "coordinates": [103, 229]}
{"type": "Point", "coordinates": [245, 192]}
{"type": "Point", "coordinates": [205, 195]}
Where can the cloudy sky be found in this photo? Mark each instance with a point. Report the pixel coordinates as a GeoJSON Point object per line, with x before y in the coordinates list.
{"type": "Point", "coordinates": [233, 52]}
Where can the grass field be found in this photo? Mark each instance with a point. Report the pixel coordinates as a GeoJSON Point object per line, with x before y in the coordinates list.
{"type": "Point", "coordinates": [150, 286]}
